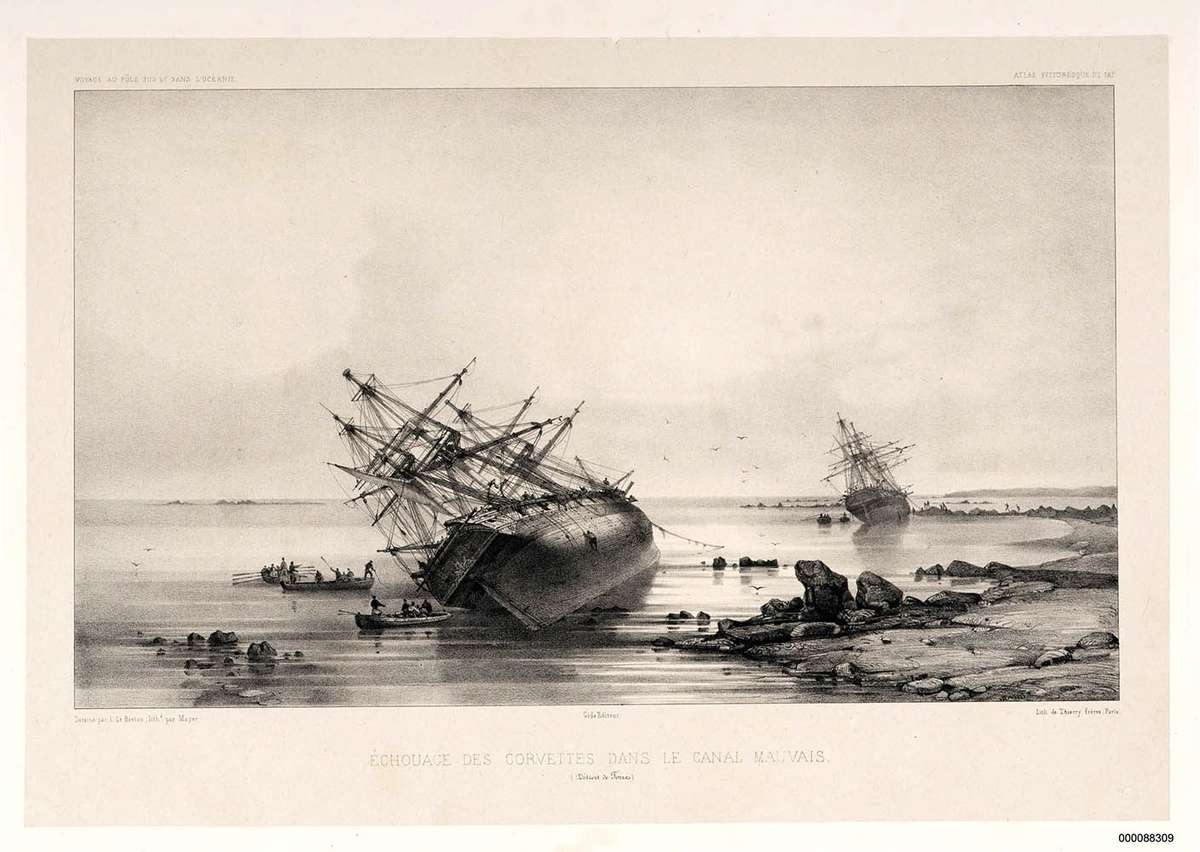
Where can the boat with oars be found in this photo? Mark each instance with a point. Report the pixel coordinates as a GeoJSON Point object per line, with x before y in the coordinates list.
{"type": "Point", "coordinates": [392, 621]}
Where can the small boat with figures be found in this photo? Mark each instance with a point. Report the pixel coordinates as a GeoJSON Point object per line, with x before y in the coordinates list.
{"type": "Point", "coordinates": [824, 520]}
{"type": "Point", "coordinates": [366, 621]}
{"type": "Point", "coordinates": [320, 584]}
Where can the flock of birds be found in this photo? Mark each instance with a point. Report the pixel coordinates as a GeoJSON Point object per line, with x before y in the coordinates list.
{"type": "Point", "coordinates": [718, 449]}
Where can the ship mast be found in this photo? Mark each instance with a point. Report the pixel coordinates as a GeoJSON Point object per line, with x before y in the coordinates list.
{"type": "Point", "coordinates": [414, 469]}
{"type": "Point", "coordinates": [864, 464]}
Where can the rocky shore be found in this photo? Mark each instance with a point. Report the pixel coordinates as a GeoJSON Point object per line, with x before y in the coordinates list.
{"type": "Point", "coordinates": [1102, 514]}
{"type": "Point", "coordinates": [1044, 632]}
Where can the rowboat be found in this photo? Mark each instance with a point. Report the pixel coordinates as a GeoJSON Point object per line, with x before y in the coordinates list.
{"type": "Point", "coordinates": [351, 584]}
{"type": "Point", "coordinates": [387, 622]}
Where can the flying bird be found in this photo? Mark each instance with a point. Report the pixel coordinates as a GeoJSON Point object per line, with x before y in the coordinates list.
{"type": "Point", "coordinates": [147, 548]}
{"type": "Point", "coordinates": [134, 564]}
{"type": "Point", "coordinates": [715, 449]}
{"type": "Point", "coordinates": [775, 542]}
{"type": "Point", "coordinates": [665, 458]}
{"type": "Point", "coordinates": [757, 589]}
{"type": "Point", "coordinates": [742, 437]}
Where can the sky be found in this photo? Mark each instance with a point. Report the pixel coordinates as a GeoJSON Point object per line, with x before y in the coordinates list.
{"type": "Point", "coordinates": [697, 264]}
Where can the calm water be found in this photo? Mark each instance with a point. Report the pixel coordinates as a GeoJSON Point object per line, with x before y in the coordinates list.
{"type": "Point", "coordinates": [186, 555]}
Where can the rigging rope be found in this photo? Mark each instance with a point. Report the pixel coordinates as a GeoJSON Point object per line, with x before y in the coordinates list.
{"type": "Point", "coordinates": [666, 531]}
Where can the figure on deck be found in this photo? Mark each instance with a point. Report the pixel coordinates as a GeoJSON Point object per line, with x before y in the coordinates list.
{"type": "Point", "coordinates": [590, 537]}
{"type": "Point", "coordinates": [369, 569]}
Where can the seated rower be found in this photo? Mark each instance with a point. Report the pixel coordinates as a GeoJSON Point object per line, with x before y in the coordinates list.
{"type": "Point", "coordinates": [376, 605]}
{"type": "Point", "coordinates": [319, 576]}
{"type": "Point", "coordinates": [426, 607]}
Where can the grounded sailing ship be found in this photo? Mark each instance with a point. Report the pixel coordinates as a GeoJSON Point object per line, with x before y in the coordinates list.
{"type": "Point", "coordinates": [872, 494]}
{"type": "Point", "coordinates": [490, 511]}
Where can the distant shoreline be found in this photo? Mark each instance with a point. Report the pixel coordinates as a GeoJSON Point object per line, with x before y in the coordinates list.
{"type": "Point", "coordinates": [1109, 491]}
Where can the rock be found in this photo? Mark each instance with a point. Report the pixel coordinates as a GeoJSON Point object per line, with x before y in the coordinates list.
{"type": "Point", "coordinates": [929, 642]}
{"type": "Point", "coordinates": [773, 606]}
{"type": "Point", "coordinates": [672, 616]}
{"type": "Point", "coordinates": [957, 600]}
{"type": "Point", "coordinates": [993, 567]}
{"type": "Point", "coordinates": [924, 686]}
{"type": "Point", "coordinates": [222, 637]}
{"type": "Point", "coordinates": [855, 616]}
{"type": "Point", "coordinates": [1050, 658]}
{"type": "Point", "coordinates": [1084, 654]}
{"type": "Point", "coordinates": [196, 664]}
{"type": "Point", "coordinates": [846, 671]}
{"type": "Point", "coordinates": [157, 640]}
{"type": "Point", "coordinates": [194, 639]}
{"type": "Point", "coordinates": [960, 695]}
{"type": "Point", "coordinates": [909, 600]}
{"type": "Point", "coordinates": [919, 573]}
{"type": "Point", "coordinates": [259, 651]}
{"type": "Point", "coordinates": [298, 654]}
{"type": "Point", "coordinates": [935, 570]}
{"type": "Point", "coordinates": [663, 642]}
{"type": "Point", "coordinates": [959, 568]}
{"type": "Point", "coordinates": [884, 640]}
{"type": "Point", "coordinates": [228, 661]}
{"type": "Point", "coordinates": [1015, 589]}
{"type": "Point", "coordinates": [724, 624]}
{"type": "Point", "coordinates": [874, 592]}
{"type": "Point", "coordinates": [685, 615]}
{"type": "Point", "coordinates": [712, 644]}
{"type": "Point", "coordinates": [815, 630]}
{"type": "Point", "coordinates": [942, 696]}
{"type": "Point", "coordinates": [161, 652]}
{"type": "Point", "coordinates": [719, 563]}
{"type": "Point", "coordinates": [757, 634]}
{"type": "Point", "coordinates": [1098, 639]}
{"type": "Point", "coordinates": [825, 592]}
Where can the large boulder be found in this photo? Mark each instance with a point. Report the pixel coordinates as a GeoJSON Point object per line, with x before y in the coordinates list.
{"type": "Point", "coordinates": [826, 592]}
{"type": "Point", "coordinates": [756, 634]}
{"type": "Point", "coordinates": [260, 651]}
{"type": "Point", "coordinates": [956, 600]}
{"type": "Point", "coordinates": [719, 563]}
{"type": "Point", "coordinates": [195, 639]}
{"type": "Point", "coordinates": [874, 592]}
{"type": "Point", "coordinates": [959, 568]}
{"type": "Point", "coordinates": [222, 637]}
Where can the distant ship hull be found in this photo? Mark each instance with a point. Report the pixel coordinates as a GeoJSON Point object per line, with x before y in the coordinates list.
{"type": "Point", "coordinates": [876, 506]}
{"type": "Point", "coordinates": [541, 564]}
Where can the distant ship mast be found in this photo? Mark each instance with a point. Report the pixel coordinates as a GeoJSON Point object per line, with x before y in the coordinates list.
{"type": "Point", "coordinates": [866, 466]}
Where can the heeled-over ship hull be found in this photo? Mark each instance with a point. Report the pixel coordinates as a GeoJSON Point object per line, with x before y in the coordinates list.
{"type": "Point", "coordinates": [546, 563]}
{"type": "Point", "coordinates": [875, 506]}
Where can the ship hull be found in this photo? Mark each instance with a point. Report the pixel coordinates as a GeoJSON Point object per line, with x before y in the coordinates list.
{"type": "Point", "coordinates": [878, 506]}
{"type": "Point", "coordinates": [546, 563]}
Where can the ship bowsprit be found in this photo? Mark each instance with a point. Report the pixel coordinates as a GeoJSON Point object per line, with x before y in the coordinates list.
{"type": "Point", "coordinates": [546, 562]}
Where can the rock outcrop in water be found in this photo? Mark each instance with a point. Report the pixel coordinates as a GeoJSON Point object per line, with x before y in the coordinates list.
{"type": "Point", "coordinates": [826, 592]}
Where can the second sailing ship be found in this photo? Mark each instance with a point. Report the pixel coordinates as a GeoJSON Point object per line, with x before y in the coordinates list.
{"type": "Point", "coordinates": [872, 494]}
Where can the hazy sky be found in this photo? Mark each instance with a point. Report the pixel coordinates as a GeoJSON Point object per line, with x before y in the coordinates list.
{"type": "Point", "coordinates": [936, 263]}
